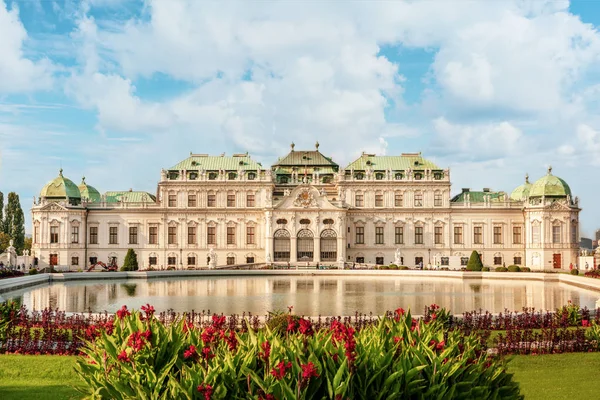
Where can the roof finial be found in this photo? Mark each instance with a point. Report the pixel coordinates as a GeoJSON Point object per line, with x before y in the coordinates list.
{"type": "Point", "coordinates": [292, 146]}
{"type": "Point", "coordinates": [60, 172]}
{"type": "Point", "coordinates": [526, 178]}
{"type": "Point", "coordinates": [549, 169]}
{"type": "Point", "coordinates": [317, 145]}
{"type": "Point", "coordinates": [83, 179]}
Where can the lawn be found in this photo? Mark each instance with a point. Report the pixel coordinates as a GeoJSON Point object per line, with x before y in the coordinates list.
{"type": "Point", "coordinates": [548, 377]}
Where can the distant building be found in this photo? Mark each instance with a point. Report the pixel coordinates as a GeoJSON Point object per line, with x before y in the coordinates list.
{"type": "Point", "coordinates": [597, 234]}
{"type": "Point", "coordinates": [307, 209]}
{"type": "Point", "coordinates": [586, 243]}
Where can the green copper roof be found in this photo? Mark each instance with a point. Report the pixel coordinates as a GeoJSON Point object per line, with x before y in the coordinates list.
{"type": "Point", "coordinates": [477, 197]}
{"type": "Point", "coordinates": [130, 197]}
{"type": "Point", "coordinates": [300, 158]}
{"type": "Point", "coordinates": [300, 169]}
{"type": "Point", "coordinates": [413, 161]}
{"type": "Point", "coordinates": [88, 192]}
{"type": "Point", "coordinates": [198, 162]}
{"type": "Point", "coordinates": [61, 187]}
{"type": "Point", "coordinates": [550, 185]}
{"type": "Point", "coordinates": [521, 192]}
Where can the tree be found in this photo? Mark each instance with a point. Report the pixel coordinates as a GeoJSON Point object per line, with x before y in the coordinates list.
{"type": "Point", "coordinates": [14, 221]}
{"type": "Point", "coordinates": [4, 241]}
{"type": "Point", "coordinates": [130, 263]}
{"type": "Point", "coordinates": [2, 213]}
{"type": "Point", "coordinates": [28, 244]}
{"type": "Point", "coordinates": [474, 263]}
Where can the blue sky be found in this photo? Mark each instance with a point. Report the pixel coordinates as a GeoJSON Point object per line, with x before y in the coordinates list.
{"type": "Point", "coordinates": [116, 90]}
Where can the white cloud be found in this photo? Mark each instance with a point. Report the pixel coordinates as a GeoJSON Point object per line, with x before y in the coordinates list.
{"type": "Point", "coordinates": [18, 73]}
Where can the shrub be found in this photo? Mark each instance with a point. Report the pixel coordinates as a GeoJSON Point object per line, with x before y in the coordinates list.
{"type": "Point", "coordinates": [485, 269]}
{"type": "Point", "coordinates": [397, 357]}
{"type": "Point", "coordinates": [514, 268]}
{"type": "Point", "coordinates": [393, 266]}
{"type": "Point", "coordinates": [130, 263]}
{"type": "Point", "coordinates": [574, 271]}
{"type": "Point", "coordinates": [33, 271]}
{"type": "Point", "coordinates": [384, 267]}
{"type": "Point", "coordinates": [501, 269]}
{"type": "Point", "coordinates": [525, 269]}
{"type": "Point", "coordinates": [474, 263]}
{"type": "Point", "coordinates": [403, 267]}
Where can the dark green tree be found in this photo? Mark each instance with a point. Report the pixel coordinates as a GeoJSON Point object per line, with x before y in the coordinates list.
{"type": "Point", "coordinates": [130, 263]}
{"type": "Point", "coordinates": [474, 263]}
{"type": "Point", "coordinates": [2, 212]}
{"type": "Point", "coordinates": [14, 221]}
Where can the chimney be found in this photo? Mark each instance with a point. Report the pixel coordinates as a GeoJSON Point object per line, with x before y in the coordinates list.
{"type": "Point", "coordinates": [486, 190]}
{"type": "Point", "coordinates": [466, 190]}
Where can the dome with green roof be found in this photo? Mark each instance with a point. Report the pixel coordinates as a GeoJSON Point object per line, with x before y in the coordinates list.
{"type": "Point", "coordinates": [550, 186]}
{"type": "Point", "coordinates": [521, 192]}
{"type": "Point", "coordinates": [88, 192]}
{"type": "Point", "coordinates": [61, 188]}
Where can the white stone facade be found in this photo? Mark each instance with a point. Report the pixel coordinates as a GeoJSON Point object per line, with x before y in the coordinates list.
{"type": "Point", "coordinates": [259, 217]}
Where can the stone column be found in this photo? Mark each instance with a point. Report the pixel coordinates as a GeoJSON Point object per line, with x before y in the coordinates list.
{"type": "Point", "coordinates": [341, 246]}
{"type": "Point", "coordinates": [317, 249]}
{"type": "Point", "coordinates": [294, 249]}
{"type": "Point", "coordinates": [268, 238]}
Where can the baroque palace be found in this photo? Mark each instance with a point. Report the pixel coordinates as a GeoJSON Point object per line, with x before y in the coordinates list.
{"type": "Point", "coordinates": [306, 209]}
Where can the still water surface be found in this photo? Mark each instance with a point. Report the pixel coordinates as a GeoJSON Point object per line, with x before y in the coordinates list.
{"type": "Point", "coordinates": [309, 295]}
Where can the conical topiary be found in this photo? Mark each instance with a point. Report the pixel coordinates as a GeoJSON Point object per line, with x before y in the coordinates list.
{"type": "Point", "coordinates": [474, 263]}
{"type": "Point", "coordinates": [130, 263]}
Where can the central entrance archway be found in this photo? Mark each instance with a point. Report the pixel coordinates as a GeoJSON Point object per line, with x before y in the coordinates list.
{"type": "Point", "coordinates": [328, 245]}
{"type": "Point", "coordinates": [306, 245]}
{"type": "Point", "coordinates": [281, 245]}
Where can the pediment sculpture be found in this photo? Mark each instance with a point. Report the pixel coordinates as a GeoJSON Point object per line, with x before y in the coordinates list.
{"type": "Point", "coordinates": [305, 199]}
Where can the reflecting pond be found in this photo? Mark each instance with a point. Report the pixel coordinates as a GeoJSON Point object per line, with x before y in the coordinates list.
{"type": "Point", "coordinates": [309, 295]}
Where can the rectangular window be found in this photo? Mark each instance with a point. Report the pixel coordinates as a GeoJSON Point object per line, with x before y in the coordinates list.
{"type": "Point", "coordinates": [250, 200]}
{"type": "Point", "coordinates": [74, 234]}
{"type": "Point", "coordinates": [250, 235]}
{"type": "Point", "coordinates": [379, 200]}
{"type": "Point", "coordinates": [191, 200]}
{"type": "Point", "coordinates": [113, 235]}
{"type": "Point", "coordinates": [379, 235]}
{"type": "Point", "coordinates": [439, 235]}
{"type": "Point", "coordinates": [478, 235]}
{"type": "Point", "coordinates": [191, 235]}
{"type": "Point", "coordinates": [497, 235]}
{"type": "Point", "coordinates": [497, 260]}
{"type": "Point", "coordinates": [133, 235]}
{"type": "Point", "coordinates": [398, 201]}
{"type": "Point", "coordinates": [517, 260]}
{"type": "Point", "coordinates": [172, 235]}
{"type": "Point", "coordinates": [36, 234]}
{"type": "Point", "coordinates": [464, 261]}
{"type": "Point", "coordinates": [211, 235]}
{"type": "Point", "coordinates": [458, 235]}
{"type": "Point", "coordinates": [360, 260]}
{"type": "Point", "coordinates": [379, 260]}
{"type": "Point", "coordinates": [74, 260]}
{"type": "Point", "coordinates": [399, 235]}
{"type": "Point", "coordinates": [93, 260]}
{"type": "Point", "coordinates": [535, 234]}
{"type": "Point", "coordinates": [358, 200]}
{"type": "Point", "coordinates": [230, 260]}
{"type": "Point", "coordinates": [249, 260]}
{"type": "Point", "coordinates": [172, 200]}
{"type": "Point", "coordinates": [231, 235]}
{"type": "Point", "coordinates": [191, 260]}
{"type": "Point", "coordinates": [445, 261]}
{"type": "Point", "coordinates": [152, 260]}
{"type": "Point", "coordinates": [54, 234]}
{"type": "Point", "coordinates": [418, 235]}
{"type": "Point", "coordinates": [360, 235]}
{"type": "Point", "coordinates": [517, 235]}
{"type": "Point", "coordinates": [212, 200]}
{"type": "Point", "coordinates": [171, 260]}
{"type": "Point", "coordinates": [556, 234]}
{"type": "Point", "coordinates": [153, 235]}
{"type": "Point", "coordinates": [93, 235]}
{"type": "Point", "coordinates": [574, 233]}
{"type": "Point", "coordinates": [437, 199]}
{"type": "Point", "coordinates": [230, 199]}
{"type": "Point", "coordinates": [418, 199]}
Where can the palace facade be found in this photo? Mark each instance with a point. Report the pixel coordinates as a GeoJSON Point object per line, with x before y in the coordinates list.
{"type": "Point", "coordinates": [306, 209]}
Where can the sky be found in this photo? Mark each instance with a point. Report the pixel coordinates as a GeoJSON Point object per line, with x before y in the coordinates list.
{"type": "Point", "coordinates": [117, 89]}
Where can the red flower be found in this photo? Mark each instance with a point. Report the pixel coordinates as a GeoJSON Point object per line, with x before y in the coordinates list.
{"type": "Point", "coordinates": [399, 313]}
{"type": "Point", "coordinates": [206, 390]}
{"type": "Point", "coordinates": [398, 339]}
{"type": "Point", "coordinates": [92, 332]}
{"type": "Point", "coordinates": [149, 310]}
{"type": "Point", "coordinates": [231, 340]}
{"type": "Point", "coordinates": [309, 371]}
{"type": "Point", "coordinates": [306, 327]}
{"type": "Point", "coordinates": [187, 326]}
{"type": "Point", "coordinates": [190, 352]}
{"type": "Point", "coordinates": [123, 312]}
{"type": "Point", "coordinates": [433, 316]}
{"type": "Point", "coordinates": [585, 323]}
{"type": "Point", "coordinates": [264, 355]}
{"type": "Point", "coordinates": [440, 345]}
{"type": "Point", "coordinates": [137, 340]}
{"type": "Point", "coordinates": [290, 308]}
{"type": "Point", "coordinates": [109, 326]}
{"type": "Point", "coordinates": [208, 336]}
{"type": "Point", "coordinates": [123, 356]}
{"type": "Point", "coordinates": [218, 321]}
{"type": "Point", "coordinates": [207, 354]}
{"type": "Point", "coordinates": [280, 370]}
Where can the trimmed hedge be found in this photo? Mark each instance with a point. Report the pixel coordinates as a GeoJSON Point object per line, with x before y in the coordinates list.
{"type": "Point", "coordinates": [574, 271]}
{"type": "Point", "coordinates": [485, 269]}
{"type": "Point", "coordinates": [514, 268]}
{"type": "Point", "coordinates": [501, 269]}
{"type": "Point", "coordinates": [525, 269]}
{"type": "Point", "coordinates": [474, 263]}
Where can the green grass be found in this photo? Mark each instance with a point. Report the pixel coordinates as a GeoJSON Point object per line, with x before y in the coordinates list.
{"type": "Point", "coordinates": [38, 377]}
{"type": "Point", "coordinates": [558, 376]}
{"type": "Point", "coordinates": [548, 377]}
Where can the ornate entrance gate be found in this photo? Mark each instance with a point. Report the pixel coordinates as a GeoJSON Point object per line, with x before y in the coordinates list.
{"type": "Point", "coordinates": [306, 245]}
{"type": "Point", "coordinates": [281, 245]}
{"type": "Point", "coordinates": [328, 245]}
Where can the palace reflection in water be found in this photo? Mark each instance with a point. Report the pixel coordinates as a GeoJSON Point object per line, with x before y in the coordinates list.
{"type": "Point", "coordinates": [310, 296]}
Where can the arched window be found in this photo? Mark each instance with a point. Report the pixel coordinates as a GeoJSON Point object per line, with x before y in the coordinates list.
{"type": "Point", "coordinates": [379, 176]}
{"type": "Point", "coordinates": [281, 245]}
{"type": "Point", "coordinates": [398, 176]}
{"type": "Point", "coordinates": [281, 221]}
{"type": "Point", "coordinates": [359, 176]}
{"type": "Point", "coordinates": [231, 176]}
{"type": "Point", "coordinates": [328, 245]}
{"type": "Point", "coordinates": [251, 176]}
{"type": "Point", "coordinates": [212, 176]}
{"type": "Point", "coordinates": [306, 245]}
